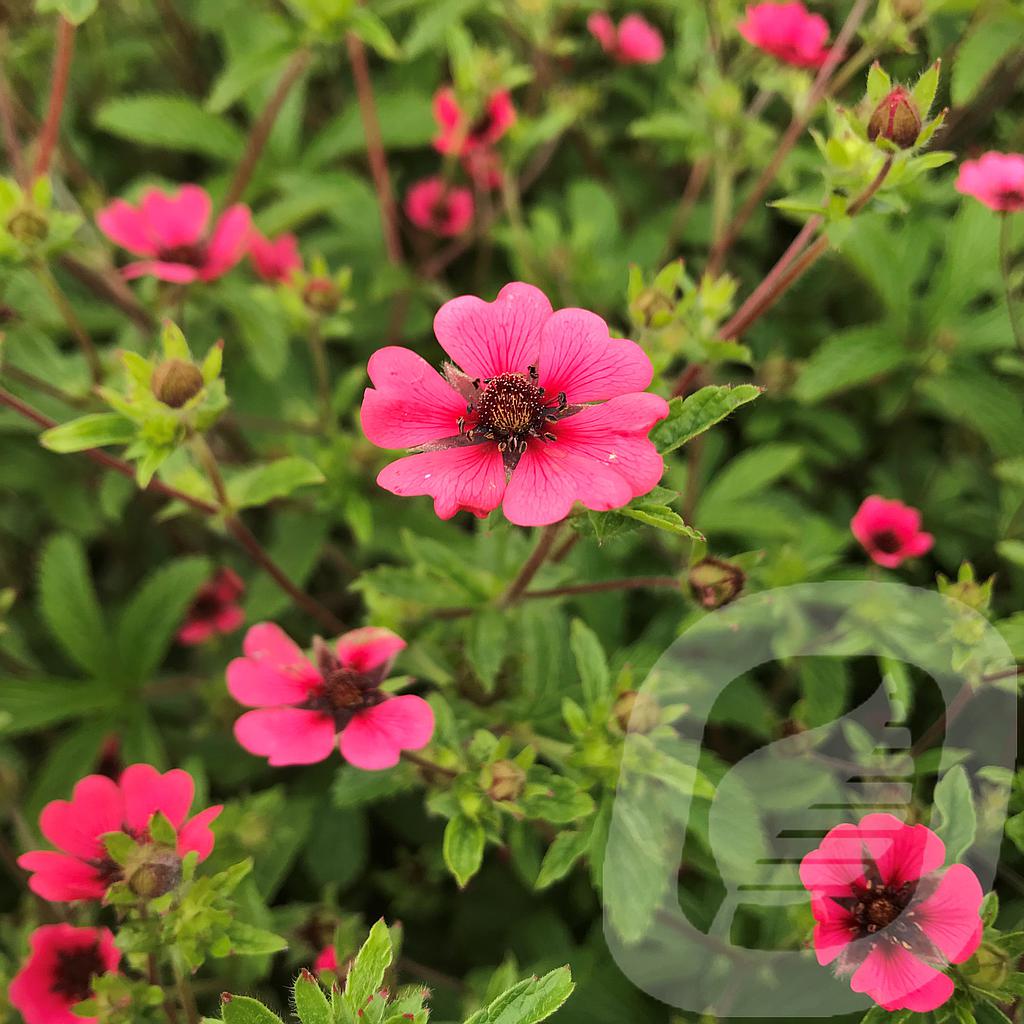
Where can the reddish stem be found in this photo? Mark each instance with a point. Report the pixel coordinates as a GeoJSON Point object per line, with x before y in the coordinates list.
{"type": "Point", "coordinates": [10, 131]}
{"type": "Point", "coordinates": [63, 53]}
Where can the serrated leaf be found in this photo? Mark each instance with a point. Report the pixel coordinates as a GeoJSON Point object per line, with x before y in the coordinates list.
{"type": "Point", "coordinates": [262, 484]}
{"type": "Point", "coordinates": [30, 704]}
{"type": "Point", "coordinates": [248, 940]}
{"type": "Point", "coordinates": [367, 972]}
{"type": "Point", "coordinates": [529, 1001]}
{"type": "Point", "coordinates": [311, 1004]}
{"type": "Point", "coordinates": [463, 848]}
{"type": "Point", "coordinates": [244, 1010]}
{"type": "Point", "coordinates": [591, 662]}
{"type": "Point", "coordinates": [698, 412]}
{"type": "Point", "coordinates": [92, 431]}
{"type": "Point", "coordinates": [661, 517]}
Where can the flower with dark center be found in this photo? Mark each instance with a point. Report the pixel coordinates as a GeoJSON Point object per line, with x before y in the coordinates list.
{"type": "Point", "coordinates": [888, 915]}
{"type": "Point", "coordinates": [890, 531]}
{"type": "Point", "coordinates": [434, 205]}
{"type": "Point", "coordinates": [215, 609]}
{"type": "Point", "coordinates": [457, 134]}
{"type": "Point", "coordinates": [59, 972]}
{"type": "Point", "coordinates": [788, 31]}
{"type": "Point", "coordinates": [995, 179]}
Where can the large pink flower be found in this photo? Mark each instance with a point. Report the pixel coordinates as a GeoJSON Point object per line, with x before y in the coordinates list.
{"type": "Point", "coordinates": [302, 708]}
{"type": "Point", "coordinates": [787, 31]}
{"type": "Point", "coordinates": [634, 41]}
{"type": "Point", "coordinates": [59, 972]}
{"type": "Point", "coordinates": [995, 179]}
{"type": "Point", "coordinates": [887, 915]}
{"type": "Point", "coordinates": [457, 134]}
{"type": "Point", "coordinates": [215, 609]}
{"type": "Point", "coordinates": [890, 531]}
{"type": "Point", "coordinates": [542, 410]}
{"type": "Point", "coordinates": [82, 869]}
{"type": "Point", "coordinates": [434, 205]}
{"type": "Point", "coordinates": [275, 261]}
{"type": "Point", "coordinates": [170, 231]}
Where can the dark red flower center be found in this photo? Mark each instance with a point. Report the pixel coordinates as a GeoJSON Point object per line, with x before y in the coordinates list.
{"type": "Point", "coordinates": [511, 408]}
{"type": "Point", "coordinates": [345, 691]}
{"type": "Point", "coordinates": [1010, 195]}
{"type": "Point", "coordinates": [878, 906]}
{"type": "Point", "coordinates": [207, 605]}
{"type": "Point", "coordinates": [440, 211]}
{"type": "Point", "coordinates": [481, 127]}
{"type": "Point", "coordinates": [888, 542]}
{"type": "Point", "coordinates": [74, 971]}
{"type": "Point", "coordinates": [191, 255]}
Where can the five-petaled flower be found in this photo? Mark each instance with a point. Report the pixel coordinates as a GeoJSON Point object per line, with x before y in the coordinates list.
{"type": "Point", "coordinates": [890, 531]}
{"type": "Point", "coordinates": [634, 41]}
{"type": "Point", "coordinates": [887, 915]}
{"type": "Point", "coordinates": [995, 179]}
{"type": "Point", "coordinates": [787, 31]}
{"type": "Point", "coordinates": [215, 609]}
{"type": "Point", "coordinates": [543, 409]}
{"type": "Point", "coordinates": [275, 260]}
{"type": "Point", "coordinates": [59, 972]}
{"type": "Point", "coordinates": [457, 134]}
{"type": "Point", "coordinates": [302, 707]}
{"type": "Point", "coordinates": [434, 205]}
{"type": "Point", "coordinates": [82, 869]}
{"type": "Point", "coordinates": [169, 230]}
{"type": "Point", "coordinates": [326, 959]}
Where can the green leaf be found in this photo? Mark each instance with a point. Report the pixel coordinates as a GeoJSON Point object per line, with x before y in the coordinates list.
{"type": "Point", "coordinates": [848, 359]}
{"type": "Point", "coordinates": [68, 604]}
{"type": "Point", "coordinates": [747, 474]}
{"type": "Point", "coordinates": [243, 1010]}
{"type": "Point", "coordinates": [262, 484]}
{"type": "Point", "coordinates": [367, 972]}
{"type": "Point", "coordinates": [463, 848]}
{"type": "Point", "coordinates": [30, 704]}
{"type": "Point", "coordinates": [246, 70]}
{"type": "Point", "coordinates": [958, 818]}
{"type": "Point", "coordinates": [590, 662]}
{"type": "Point", "coordinates": [260, 324]}
{"type": "Point", "coordinates": [978, 55]}
{"type": "Point", "coordinates": [155, 612]}
{"type": "Point", "coordinates": [92, 431]}
{"type": "Point", "coordinates": [529, 1001]}
{"type": "Point", "coordinates": [247, 940]}
{"type": "Point", "coordinates": [562, 854]}
{"type": "Point", "coordinates": [487, 645]}
{"type": "Point", "coordinates": [558, 800]}
{"type": "Point", "coordinates": [310, 1002]}
{"type": "Point", "coordinates": [171, 122]}
{"type": "Point", "coordinates": [661, 517]}
{"type": "Point", "coordinates": [879, 83]}
{"type": "Point", "coordinates": [76, 11]}
{"type": "Point", "coordinates": [1012, 551]}
{"type": "Point", "coordinates": [161, 830]}
{"type": "Point", "coordinates": [925, 88]}
{"type": "Point", "coordinates": [698, 412]}
{"type": "Point", "coordinates": [374, 33]}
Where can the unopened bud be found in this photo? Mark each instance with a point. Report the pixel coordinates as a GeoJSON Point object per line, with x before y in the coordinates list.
{"type": "Point", "coordinates": [28, 226]}
{"type": "Point", "coordinates": [637, 712]}
{"type": "Point", "coordinates": [158, 873]}
{"type": "Point", "coordinates": [908, 10]}
{"type": "Point", "coordinates": [897, 119]}
{"type": "Point", "coordinates": [714, 582]}
{"type": "Point", "coordinates": [990, 967]}
{"type": "Point", "coordinates": [507, 781]}
{"type": "Point", "coordinates": [654, 306]}
{"type": "Point", "coordinates": [175, 382]}
{"type": "Point", "coordinates": [322, 295]}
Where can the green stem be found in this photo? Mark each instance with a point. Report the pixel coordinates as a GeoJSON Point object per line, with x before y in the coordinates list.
{"type": "Point", "coordinates": [1005, 266]}
{"type": "Point", "coordinates": [322, 372]}
{"type": "Point", "coordinates": [531, 566]}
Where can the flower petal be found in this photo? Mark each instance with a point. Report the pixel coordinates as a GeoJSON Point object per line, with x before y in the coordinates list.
{"type": "Point", "coordinates": [286, 735]}
{"type": "Point", "coordinates": [897, 980]}
{"type": "Point", "coordinates": [147, 791]}
{"type": "Point", "coordinates": [367, 648]}
{"type": "Point", "coordinates": [176, 219]}
{"type": "Point", "coordinates": [834, 929]}
{"type": "Point", "coordinates": [836, 864]}
{"type": "Point", "coordinates": [176, 273]}
{"type": "Point", "coordinates": [375, 738]}
{"type": "Point", "coordinates": [126, 226]}
{"type": "Point", "coordinates": [55, 876]}
{"type": "Point", "coordinates": [902, 852]}
{"type": "Point", "coordinates": [229, 243]}
{"type": "Point", "coordinates": [96, 807]}
{"type": "Point", "coordinates": [258, 684]}
{"type": "Point", "coordinates": [269, 643]}
{"type": "Point", "coordinates": [195, 834]}
{"type": "Point", "coordinates": [578, 356]}
{"type": "Point", "coordinates": [949, 916]}
{"type": "Point", "coordinates": [490, 338]}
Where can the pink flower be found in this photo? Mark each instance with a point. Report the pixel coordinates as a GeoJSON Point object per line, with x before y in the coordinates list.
{"type": "Point", "coordinates": [302, 708]}
{"type": "Point", "coordinates": [82, 870]}
{"type": "Point", "coordinates": [635, 41]}
{"type": "Point", "coordinates": [457, 134]}
{"type": "Point", "coordinates": [887, 915]}
{"type": "Point", "coordinates": [276, 260]}
{"type": "Point", "coordinates": [787, 31]}
{"type": "Point", "coordinates": [546, 410]}
{"type": "Point", "coordinates": [169, 230]}
{"type": "Point", "coordinates": [59, 972]}
{"type": "Point", "coordinates": [214, 609]}
{"type": "Point", "coordinates": [433, 205]}
{"type": "Point", "coordinates": [890, 531]}
{"type": "Point", "coordinates": [327, 959]}
{"type": "Point", "coordinates": [483, 166]}
{"type": "Point", "coordinates": [996, 179]}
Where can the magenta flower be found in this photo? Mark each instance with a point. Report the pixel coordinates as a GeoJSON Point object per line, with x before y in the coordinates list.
{"type": "Point", "coordinates": [787, 31]}
{"type": "Point", "coordinates": [435, 206]}
{"type": "Point", "coordinates": [302, 708]}
{"type": "Point", "coordinates": [215, 609]}
{"type": "Point", "coordinates": [995, 179]}
{"type": "Point", "coordinates": [542, 410]}
{"type": "Point", "coordinates": [890, 531]}
{"type": "Point", "coordinates": [887, 915]}
{"type": "Point", "coordinates": [59, 972]}
{"type": "Point", "coordinates": [170, 231]}
{"type": "Point", "coordinates": [483, 166]}
{"type": "Point", "coordinates": [634, 41]}
{"type": "Point", "coordinates": [275, 261]}
{"type": "Point", "coordinates": [458, 135]}
{"type": "Point", "coordinates": [326, 960]}
{"type": "Point", "coordinates": [82, 869]}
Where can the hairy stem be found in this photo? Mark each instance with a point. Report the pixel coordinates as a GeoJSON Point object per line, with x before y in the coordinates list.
{"type": "Point", "coordinates": [63, 53]}
{"type": "Point", "coordinates": [531, 566]}
{"type": "Point", "coordinates": [7, 122]}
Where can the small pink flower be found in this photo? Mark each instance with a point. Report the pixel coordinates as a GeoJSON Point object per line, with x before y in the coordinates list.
{"type": "Point", "coordinates": [887, 915]}
{"type": "Point", "coordinates": [995, 179]}
{"type": "Point", "coordinates": [787, 31]}
{"type": "Point", "coordinates": [170, 231]}
{"type": "Point", "coordinates": [890, 531]}
{"type": "Point", "coordinates": [215, 609]}
{"type": "Point", "coordinates": [59, 972]}
{"type": "Point", "coordinates": [542, 409]}
{"type": "Point", "coordinates": [635, 41]}
{"type": "Point", "coordinates": [433, 205]}
{"type": "Point", "coordinates": [82, 870]}
{"type": "Point", "coordinates": [275, 261]}
{"type": "Point", "coordinates": [483, 166]}
{"type": "Point", "coordinates": [458, 135]}
{"type": "Point", "coordinates": [302, 708]}
{"type": "Point", "coordinates": [327, 959]}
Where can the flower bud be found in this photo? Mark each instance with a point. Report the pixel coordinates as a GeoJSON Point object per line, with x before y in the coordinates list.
{"type": "Point", "coordinates": [714, 582]}
{"type": "Point", "coordinates": [507, 781]}
{"type": "Point", "coordinates": [897, 119]}
{"type": "Point", "coordinates": [322, 295]}
{"type": "Point", "coordinates": [28, 226]}
{"type": "Point", "coordinates": [908, 10]}
{"type": "Point", "coordinates": [636, 712]}
{"type": "Point", "coordinates": [175, 382]}
{"type": "Point", "coordinates": [990, 967]}
{"type": "Point", "coordinates": [156, 874]}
